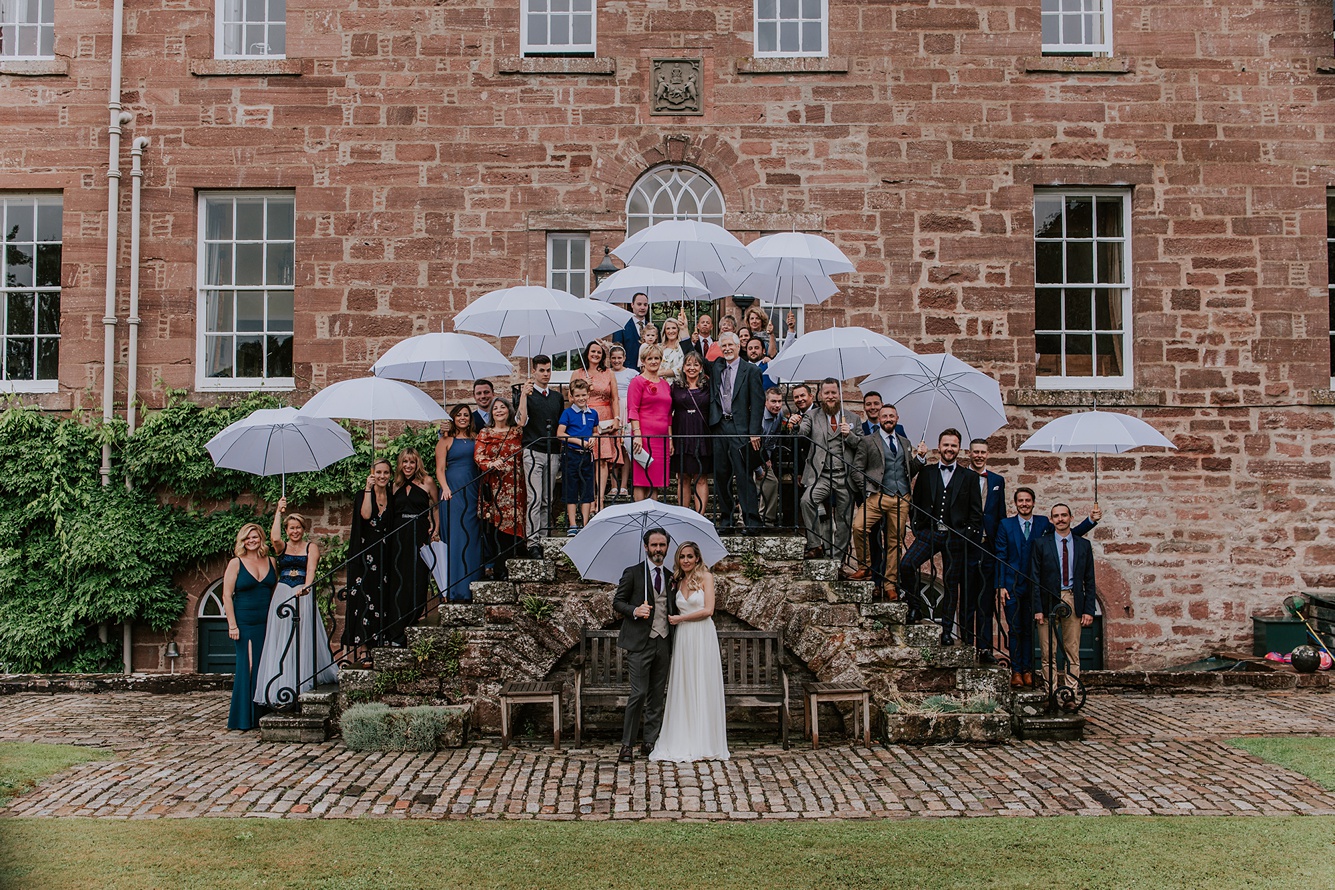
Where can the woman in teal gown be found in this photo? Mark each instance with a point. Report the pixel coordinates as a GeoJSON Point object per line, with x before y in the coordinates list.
{"type": "Point", "coordinates": [248, 586]}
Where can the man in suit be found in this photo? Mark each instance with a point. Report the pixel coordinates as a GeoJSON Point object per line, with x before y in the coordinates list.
{"type": "Point", "coordinates": [702, 338]}
{"type": "Point", "coordinates": [1016, 536]}
{"type": "Point", "coordinates": [542, 452]}
{"type": "Point", "coordinates": [980, 608]}
{"type": "Point", "coordinates": [483, 394]}
{"type": "Point", "coordinates": [773, 430]}
{"type": "Point", "coordinates": [629, 336]}
{"type": "Point", "coordinates": [1062, 569]}
{"type": "Point", "coordinates": [834, 435]}
{"type": "Point", "coordinates": [645, 597]}
{"type": "Point", "coordinates": [885, 468]}
{"type": "Point", "coordinates": [794, 453]}
{"type": "Point", "coordinates": [946, 513]}
{"type": "Point", "coordinates": [736, 403]}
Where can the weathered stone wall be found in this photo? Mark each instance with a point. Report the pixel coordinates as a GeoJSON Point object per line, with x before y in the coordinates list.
{"type": "Point", "coordinates": [428, 162]}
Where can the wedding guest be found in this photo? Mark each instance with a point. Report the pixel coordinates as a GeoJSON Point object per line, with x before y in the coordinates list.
{"type": "Point", "coordinates": [248, 585]}
{"type": "Point", "coordinates": [760, 328]}
{"type": "Point", "coordinates": [288, 665]}
{"type": "Point", "coordinates": [702, 338]}
{"type": "Point", "coordinates": [755, 355]}
{"type": "Point", "coordinates": [365, 612]}
{"type": "Point", "coordinates": [542, 451]}
{"type": "Point", "coordinates": [499, 456]}
{"type": "Point", "coordinates": [727, 326]}
{"type": "Point", "coordinates": [624, 376]}
{"type": "Point", "coordinates": [456, 472]}
{"type": "Point", "coordinates": [483, 394]}
{"type": "Point", "coordinates": [736, 404]}
{"type": "Point", "coordinates": [412, 511]}
{"type": "Point", "coordinates": [773, 429]}
{"type": "Point", "coordinates": [648, 337]}
{"type": "Point", "coordinates": [605, 400]}
{"type": "Point", "coordinates": [690, 434]}
{"type": "Point", "coordinates": [649, 407]}
{"type": "Point", "coordinates": [834, 434]}
{"type": "Point", "coordinates": [673, 356]}
{"type": "Point", "coordinates": [629, 337]}
{"type": "Point", "coordinates": [578, 426]}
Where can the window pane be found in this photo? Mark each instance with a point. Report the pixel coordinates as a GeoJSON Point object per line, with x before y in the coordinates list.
{"type": "Point", "coordinates": [277, 10]}
{"type": "Point", "coordinates": [1080, 217]}
{"type": "Point", "coordinates": [218, 311]}
{"type": "Point", "coordinates": [788, 37]}
{"type": "Point", "coordinates": [254, 10]}
{"type": "Point", "coordinates": [249, 356]}
{"type": "Point", "coordinates": [279, 264]}
{"type": "Point", "coordinates": [232, 46]}
{"type": "Point", "coordinates": [1048, 262]}
{"type": "Point", "coordinates": [48, 222]}
{"type": "Point", "coordinates": [1110, 262]}
{"type": "Point", "coordinates": [788, 9]}
{"type": "Point", "coordinates": [1079, 261]}
{"type": "Point", "coordinates": [18, 265]}
{"type": "Point", "coordinates": [1079, 355]}
{"type": "Point", "coordinates": [1110, 217]}
{"type": "Point", "coordinates": [560, 26]}
{"type": "Point", "coordinates": [1047, 309]}
{"type": "Point", "coordinates": [217, 219]}
{"type": "Point", "coordinates": [18, 359]}
{"type": "Point", "coordinates": [218, 357]}
{"type": "Point", "coordinates": [21, 317]}
{"type": "Point", "coordinates": [1079, 312]}
{"type": "Point", "coordinates": [583, 30]}
{"type": "Point", "coordinates": [280, 220]}
{"type": "Point", "coordinates": [19, 222]}
{"type": "Point", "coordinates": [1047, 218]}
{"type": "Point", "coordinates": [46, 43]}
{"type": "Point", "coordinates": [1048, 361]}
{"type": "Point", "coordinates": [811, 9]}
{"type": "Point", "coordinates": [766, 9]}
{"type": "Point", "coordinates": [811, 37]}
{"type": "Point", "coordinates": [249, 220]}
{"type": "Point", "coordinates": [280, 355]}
{"type": "Point", "coordinates": [537, 30]}
{"type": "Point", "coordinates": [277, 39]}
{"type": "Point", "coordinates": [249, 264]}
{"type": "Point", "coordinates": [48, 313]}
{"type": "Point", "coordinates": [280, 311]}
{"type": "Point", "coordinates": [1109, 355]}
{"type": "Point", "coordinates": [1108, 310]}
{"type": "Point", "coordinates": [48, 265]}
{"type": "Point", "coordinates": [250, 311]}
{"type": "Point", "coordinates": [255, 43]}
{"type": "Point", "coordinates": [48, 358]}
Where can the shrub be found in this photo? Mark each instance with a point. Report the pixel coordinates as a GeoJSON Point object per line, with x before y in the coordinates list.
{"type": "Point", "coordinates": [378, 727]}
{"type": "Point", "coordinates": [982, 704]}
{"type": "Point", "coordinates": [941, 704]}
{"type": "Point", "coordinates": [363, 727]}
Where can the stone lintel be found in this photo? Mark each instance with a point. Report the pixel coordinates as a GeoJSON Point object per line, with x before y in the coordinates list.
{"type": "Point", "coordinates": [828, 65]}
{"type": "Point", "coordinates": [775, 222]}
{"type": "Point", "coordinates": [245, 67]}
{"type": "Point", "coordinates": [1075, 65]}
{"type": "Point", "coordinates": [1085, 174]}
{"type": "Point", "coordinates": [1072, 398]}
{"type": "Point", "coordinates": [559, 65]}
{"type": "Point", "coordinates": [35, 67]}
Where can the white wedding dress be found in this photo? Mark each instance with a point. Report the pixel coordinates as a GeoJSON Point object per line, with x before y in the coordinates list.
{"type": "Point", "coordinates": [695, 725]}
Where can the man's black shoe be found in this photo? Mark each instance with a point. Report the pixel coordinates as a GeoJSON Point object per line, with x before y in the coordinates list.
{"type": "Point", "coordinates": [535, 552]}
{"type": "Point", "coordinates": [985, 656]}
{"type": "Point", "coordinates": [645, 749]}
{"type": "Point", "coordinates": [947, 638]}
{"type": "Point", "coordinates": [627, 754]}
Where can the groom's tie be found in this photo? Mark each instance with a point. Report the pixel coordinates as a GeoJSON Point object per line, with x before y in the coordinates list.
{"type": "Point", "coordinates": [658, 579]}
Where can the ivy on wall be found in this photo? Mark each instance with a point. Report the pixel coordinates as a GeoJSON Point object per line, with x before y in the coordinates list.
{"type": "Point", "coordinates": [75, 554]}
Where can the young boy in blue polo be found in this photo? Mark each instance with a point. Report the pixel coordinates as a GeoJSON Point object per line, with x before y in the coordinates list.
{"type": "Point", "coordinates": [577, 427]}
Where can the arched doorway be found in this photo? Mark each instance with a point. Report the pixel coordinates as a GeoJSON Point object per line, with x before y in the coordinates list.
{"type": "Point", "coordinates": [217, 652]}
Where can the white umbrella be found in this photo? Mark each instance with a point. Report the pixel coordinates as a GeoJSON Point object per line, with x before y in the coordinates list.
{"type": "Point", "coordinates": [278, 441]}
{"type": "Point", "coordinates": [684, 245]}
{"type": "Point", "coordinates": [613, 540]}
{"type": "Point", "coordinates": [786, 290]}
{"type": "Point", "coordinates": [657, 285]}
{"type": "Point", "coordinates": [615, 319]}
{"type": "Point", "coordinates": [841, 353]}
{"type": "Point", "coordinates": [1100, 432]}
{"type": "Point", "coordinates": [440, 357]}
{"type": "Point", "coordinates": [526, 309]}
{"type": "Point", "coordinates": [938, 392]}
{"type": "Point", "coordinates": [373, 398]}
{"type": "Point", "coordinates": [797, 254]}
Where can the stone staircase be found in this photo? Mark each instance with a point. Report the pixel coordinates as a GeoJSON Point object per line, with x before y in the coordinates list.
{"type": "Point", "coordinates": [528, 628]}
{"type": "Point", "coordinates": [314, 719]}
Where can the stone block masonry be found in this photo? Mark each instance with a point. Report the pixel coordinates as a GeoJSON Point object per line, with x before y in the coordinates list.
{"type": "Point", "coordinates": [428, 160]}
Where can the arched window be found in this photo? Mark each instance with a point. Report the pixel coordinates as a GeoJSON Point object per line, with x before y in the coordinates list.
{"type": "Point", "coordinates": [210, 604]}
{"type": "Point", "coordinates": [669, 192]}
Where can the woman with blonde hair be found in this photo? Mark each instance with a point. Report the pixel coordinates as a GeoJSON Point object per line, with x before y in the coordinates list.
{"type": "Point", "coordinates": [504, 501]}
{"type": "Point", "coordinates": [296, 654]}
{"type": "Point", "coordinates": [248, 585]}
{"type": "Point", "coordinates": [460, 528]}
{"type": "Point", "coordinates": [695, 725]}
{"type": "Point", "coordinates": [673, 355]}
{"type": "Point", "coordinates": [412, 502]}
{"type": "Point", "coordinates": [649, 407]}
{"type": "Point", "coordinates": [692, 448]}
{"type": "Point", "coordinates": [605, 400]}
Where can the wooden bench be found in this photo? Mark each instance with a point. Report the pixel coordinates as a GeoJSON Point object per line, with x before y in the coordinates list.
{"type": "Point", "coordinates": [525, 692]}
{"type": "Point", "coordinates": [755, 673]}
{"type": "Point", "coordinates": [813, 694]}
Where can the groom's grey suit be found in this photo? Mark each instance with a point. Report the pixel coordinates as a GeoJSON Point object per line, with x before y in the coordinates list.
{"type": "Point", "coordinates": [648, 645]}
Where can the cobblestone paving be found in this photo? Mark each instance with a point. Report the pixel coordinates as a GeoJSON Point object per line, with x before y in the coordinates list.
{"type": "Point", "coordinates": [1159, 755]}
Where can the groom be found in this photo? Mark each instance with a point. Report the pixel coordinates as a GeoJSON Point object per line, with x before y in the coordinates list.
{"type": "Point", "coordinates": [645, 598]}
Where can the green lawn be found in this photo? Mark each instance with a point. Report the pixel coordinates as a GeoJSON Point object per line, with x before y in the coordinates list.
{"type": "Point", "coordinates": [1068, 852]}
{"type": "Point", "coordinates": [1314, 758]}
{"type": "Point", "coordinates": [23, 764]}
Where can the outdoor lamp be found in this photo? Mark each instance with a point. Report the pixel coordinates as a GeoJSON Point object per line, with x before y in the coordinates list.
{"type": "Point", "coordinates": [605, 268]}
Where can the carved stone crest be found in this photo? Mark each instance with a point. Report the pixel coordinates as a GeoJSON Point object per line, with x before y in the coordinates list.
{"type": "Point", "coordinates": [676, 86]}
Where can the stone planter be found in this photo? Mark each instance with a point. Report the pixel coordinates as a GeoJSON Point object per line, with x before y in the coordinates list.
{"type": "Point", "coordinates": [937, 729]}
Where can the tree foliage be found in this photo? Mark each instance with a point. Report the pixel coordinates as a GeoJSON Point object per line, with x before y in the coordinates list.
{"type": "Point", "coordinates": [75, 554]}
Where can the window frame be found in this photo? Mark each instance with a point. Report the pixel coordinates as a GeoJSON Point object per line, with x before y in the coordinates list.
{"type": "Point", "coordinates": [220, 24]}
{"type": "Point", "coordinates": [1125, 380]}
{"type": "Point", "coordinates": [42, 26]}
{"type": "Point", "coordinates": [1330, 279]}
{"type": "Point", "coordinates": [203, 382]}
{"type": "Point", "coordinates": [778, 52]}
{"type": "Point", "coordinates": [571, 356]}
{"type": "Point", "coordinates": [1102, 48]}
{"type": "Point", "coordinates": [637, 221]}
{"type": "Point", "coordinates": [36, 384]}
{"type": "Point", "coordinates": [553, 49]}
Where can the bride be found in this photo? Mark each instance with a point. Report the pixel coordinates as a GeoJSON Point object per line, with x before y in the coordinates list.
{"type": "Point", "coordinates": [694, 721]}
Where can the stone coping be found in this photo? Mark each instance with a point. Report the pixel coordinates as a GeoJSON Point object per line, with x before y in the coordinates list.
{"type": "Point", "coordinates": [1075, 65]}
{"type": "Point", "coordinates": [35, 67]}
{"type": "Point", "coordinates": [245, 67]}
{"type": "Point", "coordinates": [13, 684]}
{"type": "Point", "coordinates": [572, 65]}
{"type": "Point", "coordinates": [1197, 681]}
{"type": "Point", "coordinates": [809, 65]}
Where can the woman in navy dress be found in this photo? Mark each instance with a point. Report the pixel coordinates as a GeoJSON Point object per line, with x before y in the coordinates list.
{"type": "Point", "coordinates": [412, 522]}
{"type": "Point", "coordinates": [248, 586]}
{"type": "Point", "coordinates": [456, 471]}
{"type": "Point", "coordinates": [690, 431]}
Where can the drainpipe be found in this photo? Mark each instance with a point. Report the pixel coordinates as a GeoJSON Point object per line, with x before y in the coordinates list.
{"type": "Point", "coordinates": [119, 118]}
{"type": "Point", "coordinates": [132, 364]}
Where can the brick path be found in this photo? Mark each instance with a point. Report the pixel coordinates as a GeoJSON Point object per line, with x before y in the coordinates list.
{"type": "Point", "coordinates": [1144, 755]}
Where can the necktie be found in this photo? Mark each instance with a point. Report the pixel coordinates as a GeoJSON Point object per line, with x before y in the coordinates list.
{"type": "Point", "coordinates": [727, 390]}
{"type": "Point", "coordinates": [833, 426]}
{"type": "Point", "coordinates": [894, 449]}
{"type": "Point", "coordinates": [658, 579]}
{"type": "Point", "coordinates": [1066, 566]}
{"type": "Point", "coordinates": [1026, 529]}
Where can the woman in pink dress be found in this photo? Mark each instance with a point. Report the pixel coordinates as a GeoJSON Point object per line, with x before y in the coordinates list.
{"type": "Point", "coordinates": [649, 407]}
{"type": "Point", "coordinates": [604, 399]}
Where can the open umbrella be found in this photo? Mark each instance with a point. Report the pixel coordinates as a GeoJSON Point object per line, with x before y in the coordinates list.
{"type": "Point", "coordinates": [373, 398]}
{"type": "Point", "coordinates": [684, 245]}
{"type": "Point", "coordinates": [613, 540]}
{"type": "Point", "coordinates": [657, 285]}
{"type": "Point", "coordinates": [938, 392]}
{"type": "Point", "coordinates": [526, 309]}
{"type": "Point", "coordinates": [614, 319]}
{"type": "Point", "coordinates": [841, 353]}
{"type": "Point", "coordinates": [785, 290]}
{"type": "Point", "coordinates": [797, 254]}
{"type": "Point", "coordinates": [1100, 432]}
{"type": "Point", "coordinates": [440, 357]}
{"type": "Point", "coordinates": [278, 441]}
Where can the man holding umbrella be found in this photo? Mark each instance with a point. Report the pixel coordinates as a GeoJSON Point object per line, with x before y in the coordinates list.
{"type": "Point", "coordinates": [630, 336]}
{"type": "Point", "coordinates": [644, 599]}
{"type": "Point", "coordinates": [736, 403]}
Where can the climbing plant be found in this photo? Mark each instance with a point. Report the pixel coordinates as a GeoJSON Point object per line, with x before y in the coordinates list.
{"type": "Point", "coordinates": [75, 554]}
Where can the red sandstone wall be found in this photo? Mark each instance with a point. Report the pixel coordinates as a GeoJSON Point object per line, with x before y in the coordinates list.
{"type": "Point", "coordinates": [427, 169]}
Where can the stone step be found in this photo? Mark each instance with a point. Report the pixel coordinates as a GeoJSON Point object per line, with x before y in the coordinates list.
{"type": "Point", "coordinates": [886, 613]}
{"type": "Point", "coordinates": [1053, 728]}
{"type": "Point", "coordinates": [320, 702]}
{"type": "Point", "coordinates": [293, 728]}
